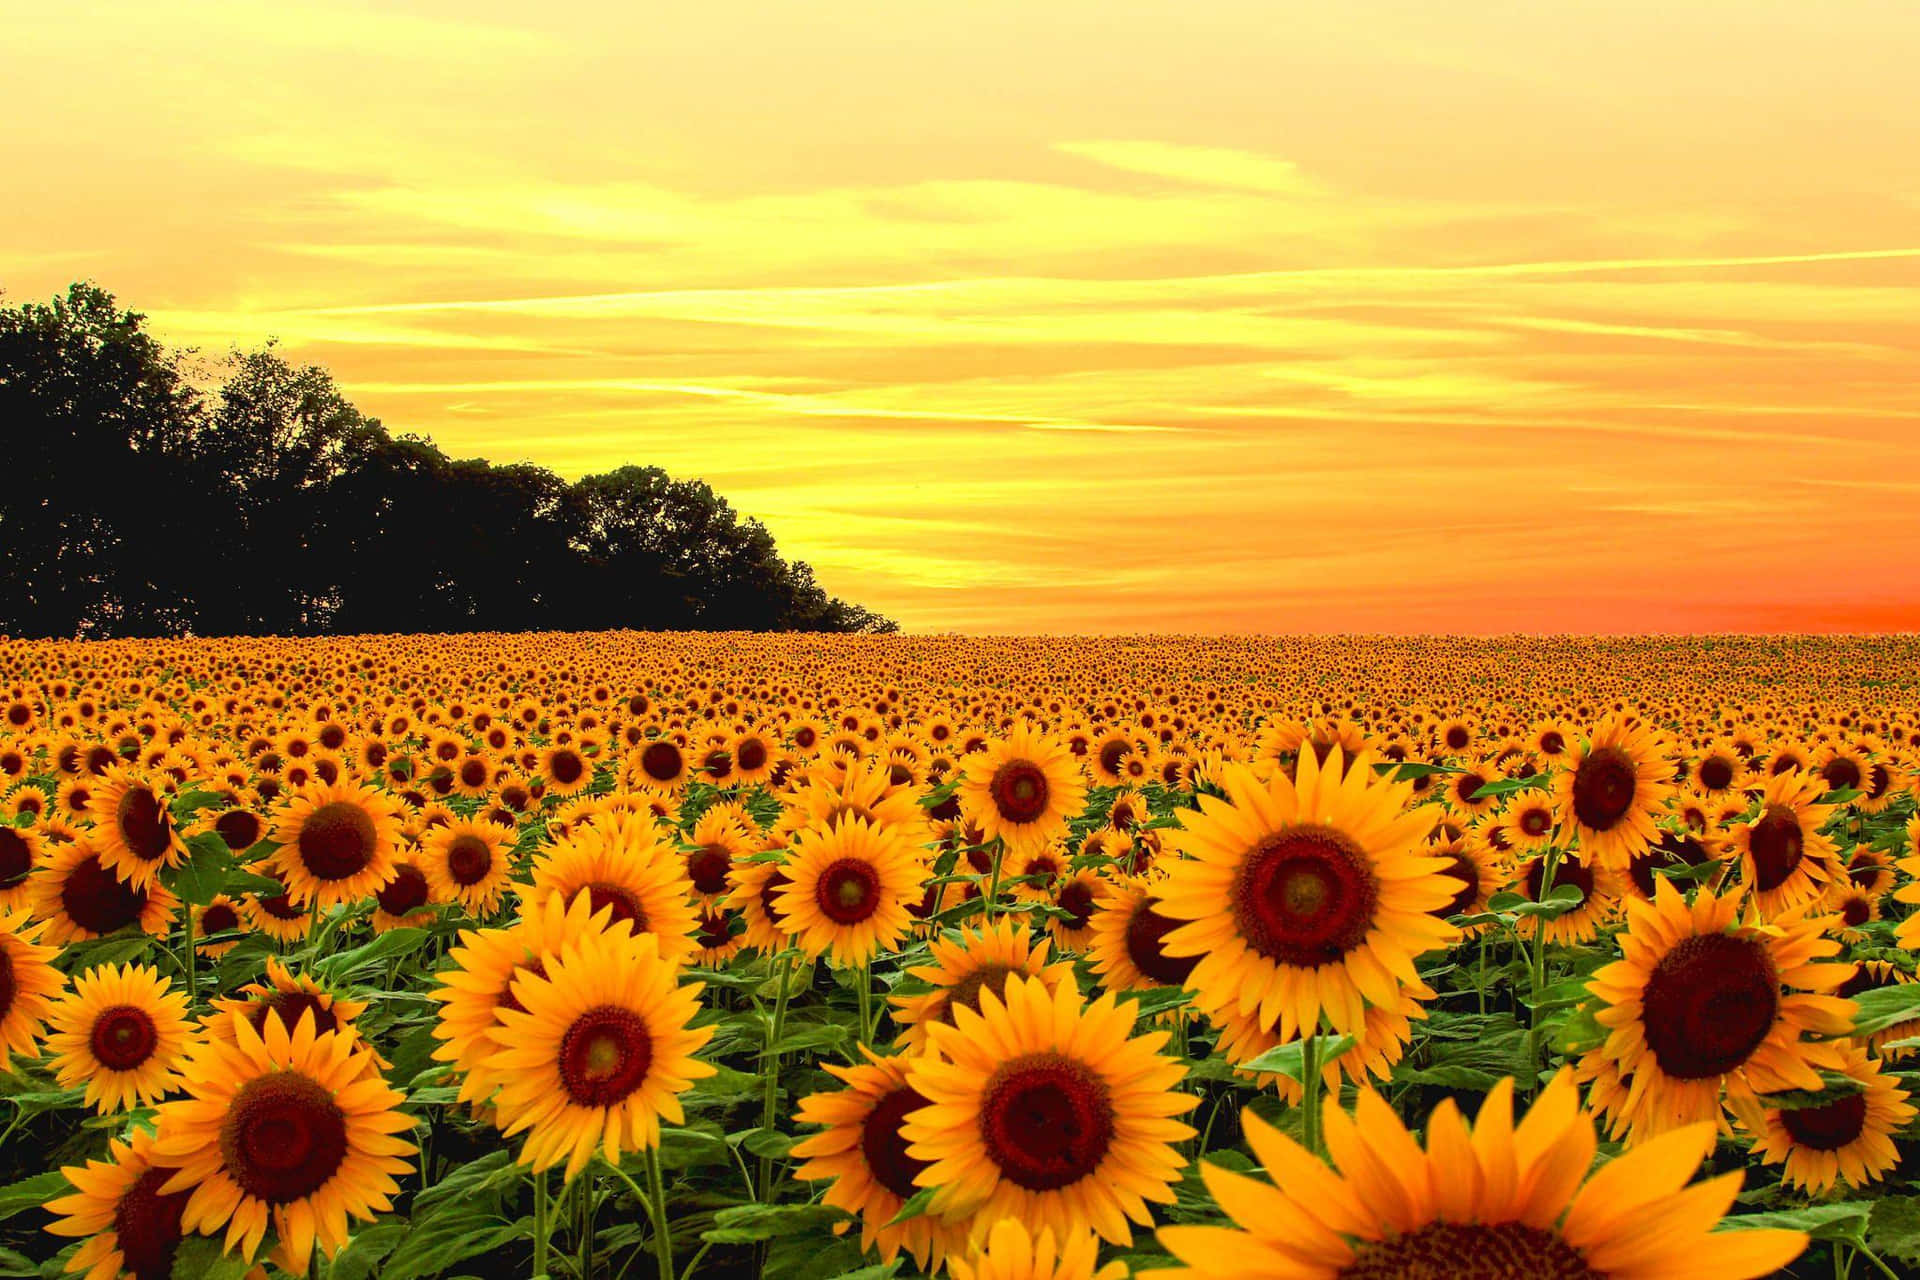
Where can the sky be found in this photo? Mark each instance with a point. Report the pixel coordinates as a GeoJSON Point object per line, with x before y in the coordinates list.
{"type": "Point", "coordinates": [1072, 315]}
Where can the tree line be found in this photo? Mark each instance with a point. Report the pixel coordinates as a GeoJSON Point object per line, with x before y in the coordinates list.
{"type": "Point", "coordinates": [139, 497]}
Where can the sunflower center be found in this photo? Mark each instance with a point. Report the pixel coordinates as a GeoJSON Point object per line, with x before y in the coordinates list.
{"type": "Point", "coordinates": [708, 867]}
{"type": "Point", "coordinates": [219, 918]}
{"type": "Point", "coordinates": [604, 1056]}
{"type": "Point", "coordinates": [1536, 821]}
{"type": "Point", "coordinates": [1776, 841]}
{"type": "Point", "coordinates": [1828, 1128]}
{"type": "Point", "coordinates": [1603, 788]}
{"type": "Point", "coordinates": [661, 761]}
{"type": "Point", "coordinates": [751, 754]}
{"type": "Point", "coordinates": [1147, 930]}
{"type": "Point", "coordinates": [94, 898]}
{"type": "Point", "coordinates": [143, 823]}
{"type": "Point", "coordinates": [1552, 742]}
{"type": "Point", "coordinates": [626, 906]}
{"type": "Point", "coordinates": [1856, 911]}
{"type": "Point", "coordinates": [283, 1137]}
{"type": "Point", "coordinates": [124, 1037]}
{"type": "Point", "coordinates": [288, 1006]}
{"type": "Point", "coordinates": [1047, 1121]}
{"type": "Point", "coordinates": [406, 892]}
{"type": "Point", "coordinates": [848, 891]}
{"type": "Point", "coordinates": [883, 1146]}
{"type": "Point", "coordinates": [1570, 871]}
{"type": "Point", "coordinates": [469, 859]}
{"type": "Point", "coordinates": [1716, 773]}
{"type": "Point", "coordinates": [1467, 872]}
{"type": "Point", "coordinates": [337, 840]}
{"type": "Point", "coordinates": [16, 857]}
{"type": "Point", "coordinates": [966, 992]}
{"type": "Point", "coordinates": [1471, 1251]}
{"type": "Point", "coordinates": [775, 884]}
{"type": "Point", "coordinates": [1709, 1003]}
{"type": "Point", "coordinates": [282, 907]}
{"type": "Point", "coordinates": [566, 767]}
{"type": "Point", "coordinates": [715, 929]}
{"type": "Point", "coordinates": [239, 828]}
{"type": "Point", "coordinates": [1305, 896]}
{"type": "Point", "coordinates": [1076, 899]}
{"type": "Point", "coordinates": [474, 773]}
{"type": "Point", "coordinates": [8, 987]}
{"type": "Point", "coordinates": [1019, 791]}
{"type": "Point", "coordinates": [146, 1225]}
{"type": "Point", "coordinates": [1841, 774]}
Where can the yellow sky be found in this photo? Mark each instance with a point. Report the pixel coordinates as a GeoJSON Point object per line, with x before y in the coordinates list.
{"type": "Point", "coordinates": [1102, 316]}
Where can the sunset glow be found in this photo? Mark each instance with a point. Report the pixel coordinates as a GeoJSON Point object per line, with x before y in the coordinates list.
{"type": "Point", "coordinates": [1091, 316]}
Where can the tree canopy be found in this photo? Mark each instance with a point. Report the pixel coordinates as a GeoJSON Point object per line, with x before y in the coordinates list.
{"type": "Point", "coordinates": [140, 499]}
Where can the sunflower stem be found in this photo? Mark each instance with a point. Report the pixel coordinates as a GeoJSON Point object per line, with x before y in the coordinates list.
{"type": "Point", "coordinates": [993, 883]}
{"type": "Point", "coordinates": [1537, 971]}
{"type": "Point", "coordinates": [770, 1073]}
{"type": "Point", "coordinates": [863, 987]}
{"type": "Point", "coordinates": [663, 1231]}
{"type": "Point", "coordinates": [585, 1227]}
{"type": "Point", "coordinates": [193, 991]}
{"type": "Point", "coordinates": [1310, 1088]}
{"type": "Point", "coordinates": [542, 1224]}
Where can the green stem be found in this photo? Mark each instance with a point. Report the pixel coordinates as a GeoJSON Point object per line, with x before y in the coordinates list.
{"type": "Point", "coordinates": [770, 1071]}
{"type": "Point", "coordinates": [863, 986]}
{"type": "Point", "coordinates": [663, 1231]}
{"type": "Point", "coordinates": [1537, 972]}
{"type": "Point", "coordinates": [542, 1224]}
{"type": "Point", "coordinates": [993, 889]}
{"type": "Point", "coordinates": [1310, 1089]}
{"type": "Point", "coordinates": [193, 991]}
{"type": "Point", "coordinates": [585, 1220]}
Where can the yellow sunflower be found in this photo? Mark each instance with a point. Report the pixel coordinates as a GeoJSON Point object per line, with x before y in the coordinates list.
{"type": "Point", "coordinates": [284, 998]}
{"type": "Point", "coordinates": [1306, 897]}
{"type": "Point", "coordinates": [1044, 1108]}
{"type": "Point", "coordinates": [1129, 933]}
{"type": "Point", "coordinates": [122, 1032]}
{"type": "Point", "coordinates": [757, 887]}
{"type": "Point", "coordinates": [719, 935]}
{"type": "Point", "coordinates": [1490, 1202]}
{"type": "Point", "coordinates": [19, 853]}
{"type": "Point", "coordinates": [1850, 1139]}
{"type": "Point", "coordinates": [977, 959]}
{"type": "Point", "coordinates": [715, 842]}
{"type": "Point", "coordinates": [864, 1152]}
{"type": "Point", "coordinates": [131, 1229]}
{"type": "Point", "coordinates": [620, 862]}
{"type": "Point", "coordinates": [598, 1051]}
{"type": "Point", "coordinates": [221, 917]}
{"type": "Point", "coordinates": [28, 982]}
{"type": "Point", "coordinates": [294, 1131]}
{"type": "Point", "coordinates": [1610, 791]}
{"type": "Point", "coordinates": [404, 902]}
{"type": "Point", "coordinates": [1783, 856]}
{"type": "Point", "coordinates": [1011, 1253]}
{"type": "Point", "coordinates": [79, 897]}
{"type": "Point", "coordinates": [849, 887]}
{"type": "Point", "coordinates": [1078, 893]}
{"type": "Point", "coordinates": [1023, 788]}
{"type": "Point", "coordinates": [467, 862]}
{"type": "Point", "coordinates": [1703, 1009]}
{"type": "Point", "coordinates": [337, 842]}
{"type": "Point", "coordinates": [276, 915]}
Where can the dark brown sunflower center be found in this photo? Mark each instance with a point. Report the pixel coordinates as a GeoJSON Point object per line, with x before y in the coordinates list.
{"type": "Point", "coordinates": [661, 761]}
{"type": "Point", "coordinates": [566, 767]}
{"type": "Point", "coordinates": [94, 898]}
{"type": "Point", "coordinates": [1569, 870]}
{"type": "Point", "coordinates": [407, 891]}
{"type": "Point", "coordinates": [1019, 791]}
{"type": "Point", "coordinates": [1708, 1004]}
{"type": "Point", "coordinates": [16, 857]}
{"type": "Point", "coordinates": [1047, 1121]}
{"type": "Point", "coordinates": [219, 918]}
{"type": "Point", "coordinates": [1457, 737]}
{"type": "Point", "coordinates": [1716, 773]}
{"type": "Point", "coordinates": [1603, 788]}
{"type": "Point", "coordinates": [604, 1056]}
{"type": "Point", "coordinates": [1856, 911]}
{"type": "Point", "coordinates": [1146, 935]}
{"type": "Point", "coordinates": [337, 840]}
{"type": "Point", "coordinates": [1464, 869]}
{"type": "Point", "coordinates": [1675, 849]}
{"type": "Point", "coordinates": [965, 993]}
{"type": "Point", "coordinates": [1828, 1128]}
{"type": "Point", "coordinates": [1776, 842]}
{"type": "Point", "coordinates": [624, 902]}
{"type": "Point", "coordinates": [283, 1137]}
{"type": "Point", "coordinates": [239, 828]}
{"type": "Point", "coordinates": [282, 907]}
{"type": "Point", "coordinates": [1076, 899]}
{"type": "Point", "coordinates": [146, 1225]}
{"type": "Point", "coordinates": [469, 859]}
{"type": "Point", "coordinates": [1111, 753]}
{"type": "Point", "coordinates": [1305, 896]}
{"type": "Point", "coordinates": [1841, 774]}
{"type": "Point", "coordinates": [124, 1037]}
{"type": "Point", "coordinates": [1470, 1251]}
{"type": "Point", "coordinates": [883, 1146]}
{"type": "Point", "coordinates": [776, 883]}
{"type": "Point", "coordinates": [288, 1007]}
{"type": "Point", "coordinates": [143, 823]}
{"type": "Point", "coordinates": [848, 891]}
{"type": "Point", "coordinates": [708, 868]}
{"type": "Point", "coordinates": [474, 773]}
{"type": "Point", "coordinates": [751, 755]}
{"type": "Point", "coordinates": [715, 929]}
{"type": "Point", "coordinates": [1535, 820]}
{"type": "Point", "coordinates": [1552, 743]}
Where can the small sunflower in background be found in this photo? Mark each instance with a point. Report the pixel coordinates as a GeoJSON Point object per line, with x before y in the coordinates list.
{"type": "Point", "coordinates": [1610, 791]}
{"type": "Point", "coordinates": [467, 861]}
{"type": "Point", "coordinates": [1784, 859]}
{"type": "Point", "coordinates": [404, 902]}
{"type": "Point", "coordinates": [621, 863]}
{"type": "Point", "coordinates": [337, 842]}
{"type": "Point", "coordinates": [221, 916]}
{"type": "Point", "coordinates": [1850, 1139]}
{"type": "Point", "coordinates": [849, 887]}
{"type": "Point", "coordinates": [1129, 933]}
{"type": "Point", "coordinates": [1023, 788]}
{"type": "Point", "coordinates": [981, 958]}
{"type": "Point", "coordinates": [121, 1033]}
{"type": "Point", "coordinates": [79, 897]}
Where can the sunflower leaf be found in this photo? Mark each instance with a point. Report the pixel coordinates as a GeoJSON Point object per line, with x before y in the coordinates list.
{"type": "Point", "coordinates": [914, 1207]}
{"type": "Point", "coordinates": [33, 1192]}
{"type": "Point", "coordinates": [1883, 1007]}
{"type": "Point", "coordinates": [1289, 1059]}
{"type": "Point", "coordinates": [746, 1223]}
{"type": "Point", "coordinates": [205, 872]}
{"type": "Point", "coordinates": [1894, 1228]}
{"type": "Point", "coordinates": [1836, 1086]}
{"type": "Point", "coordinates": [390, 945]}
{"type": "Point", "coordinates": [1846, 1221]}
{"type": "Point", "coordinates": [200, 1258]}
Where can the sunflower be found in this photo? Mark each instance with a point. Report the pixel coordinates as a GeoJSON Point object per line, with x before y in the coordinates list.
{"type": "Point", "coordinates": [1870, 871]}
{"type": "Point", "coordinates": [1010, 1253]}
{"type": "Point", "coordinates": [294, 1131]}
{"type": "Point", "coordinates": [982, 958]}
{"type": "Point", "coordinates": [1719, 768]}
{"type": "Point", "coordinates": [1078, 894]}
{"type": "Point", "coordinates": [754, 755]}
{"type": "Point", "coordinates": [1848, 909]}
{"type": "Point", "coordinates": [28, 981]}
{"type": "Point", "coordinates": [1703, 1009]}
{"type": "Point", "coordinates": [1487, 1203]}
{"type": "Point", "coordinates": [222, 915]}
{"type": "Point", "coordinates": [337, 842]}
{"type": "Point", "coordinates": [285, 997]}
{"type": "Point", "coordinates": [716, 841]}
{"type": "Point", "coordinates": [1480, 873]}
{"type": "Point", "coordinates": [864, 1152]}
{"type": "Point", "coordinates": [1600, 895]}
{"type": "Point", "coordinates": [1107, 753]}
{"type": "Point", "coordinates": [620, 862]}
{"type": "Point", "coordinates": [1023, 788]}
{"type": "Point", "coordinates": [132, 1229]}
{"type": "Point", "coordinates": [19, 853]}
{"type": "Point", "coordinates": [134, 832]}
{"type": "Point", "coordinates": [719, 936]}
{"type": "Point", "coordinates": [661, 765]}
{"type": "Point", "coordinates": [276, 915]}
{"type": "Point", "coordinates": [121, 1032]}
{"type": "Point", "coordinates": [598, 1051]}
{"type": "Point", "coordinates": [1782, 854]}
{"type": "Point", "coordinates": [79, 897]}
{"type": "Point", "coordinates": [1529, 820]}
{"type": "Point", "coordinates": [1378, 1046]}
{"type": "Point", "coordinates": [1612, 789]}
{"type": "Point", "coordinates": [756, 896]}
{"type": "Point", "coordinates": [1129, 933]}
{"type": "Point", "coordinates": [1675, 850]}
{"type": "Point", "coordinates": [1851, 1138]}
{"type": "Point", "coordinates": [849, 886]}
{"type": "Point", "coordinates": [1043, 1108]}
{"type": "Point", "coordinates": [565, 769]}
{"type": "Point", "coordinates": [1306, 896]}
{"type": "Point", "coordinates": [238, 825]}
{"type": "Point", "coordinates": [467, 862]}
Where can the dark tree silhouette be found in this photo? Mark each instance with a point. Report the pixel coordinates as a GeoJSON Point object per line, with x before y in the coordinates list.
{"type": "Point", "coordinates": [136, 503]}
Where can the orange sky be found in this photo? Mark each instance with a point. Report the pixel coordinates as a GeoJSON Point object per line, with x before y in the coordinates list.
{"type": "Point", "coordinates": [1097, 315]}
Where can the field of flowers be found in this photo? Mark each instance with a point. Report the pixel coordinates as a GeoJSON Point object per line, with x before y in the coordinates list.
{"type": "Point", "coordinates": [1008, 959]}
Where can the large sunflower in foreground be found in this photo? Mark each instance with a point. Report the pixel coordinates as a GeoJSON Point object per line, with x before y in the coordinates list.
{"type": "Point", "coordinates": [1043, 1108]}
{"type": "Point", "coordinates": [865, 1154]}
{"type": "Point", "coordinates": [1010, 1252]}
{"type": "Point", "coordinates": [121, 1033]}
{"type": "Point", "coordinates": [297, 1132]}
{"type": "Point", "coordinates": [134, 831]}
{"type": "Point", "coordinates": [1306, 897]}
{"type": "Point", "coordinates": [598, 1051]}
{"type": "Point", "coordinates": [1023, 788]}
{"type": "Point", "coordinates": [1490, 1202]}
{"type": "Point", "coordinates": [28, 982]}
{"type": "Point", "coordinates": [131, 1228]}
{"type": "Point", "coordinates": [337, 842]}
{"type": "Point", "coordinates": [1850, 1138]}
{"type": "Point", "coordinates": [980, 958]}
{"type": "Point", "coordinates": [849, 887]}
{"type": "Point", "coordinates": [80, 898]}
{"type": "Point", "coordinates": [1782, 854]}
{"type": "Point", "coordinates": [1611, 790]}
{"type": "Point", "coordinates": [619, 862]}
{"type": "Point", "coordinates": [1702, 1008]}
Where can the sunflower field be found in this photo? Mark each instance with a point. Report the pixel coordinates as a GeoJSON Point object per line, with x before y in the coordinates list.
{"type": "Point", "coordinates": [622, 955]}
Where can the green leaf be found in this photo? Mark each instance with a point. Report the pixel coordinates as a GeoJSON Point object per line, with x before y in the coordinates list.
{"type": "Point", "coordinates": [1507, 786]}
{"type": "Point", "coordinates": [1894, 1229]}
{"type": "Point", "coordinates": [879, 1271]}
{"type": "Point", "coordinates": [1846, 1220]}
{"type": "Point", "coordinates": [1846, 795]}
{"type": "Point", "coordinates": [746, 1223]}
{"type": "Point", "coordinates": [450, 1238]}
{"type": "Point", "coordinates": [188, 802]}
{"type": "Point", "coordinates": [360, 1260]}
{"type": "Point", "coordinates": [1290, 1059]}
{"type": "Point", "coordinates": [1883, 1007]}
{"type": "Point", "coordinates": [1154, 1000]}
{"type": "Point", "coordinates": [914, 1207]}
{"type": "Point", "coordinates": [1580, 1032]}
{"type": "Point", "coordinates": [770, 1144]}
{"type": "Point", "coordinates": [1465, 1079]}
{"type": "Point", "coordinates": [239, 881]}
{"type": "Point", "coordinates": [200, 1258]}
{"type": "Point", "coordinates": [17, 1264]}
{"type": "Point", "coordinates": [1837, 1086]}
{"type": "Point", "coordinates": [33, 1192]}
{"type": "Point", "coordinates": [385, 947]}
{"type": "Point", "coordinates": [205, 873]}
{"type": "Point", "coordinates": [810, 1038]}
